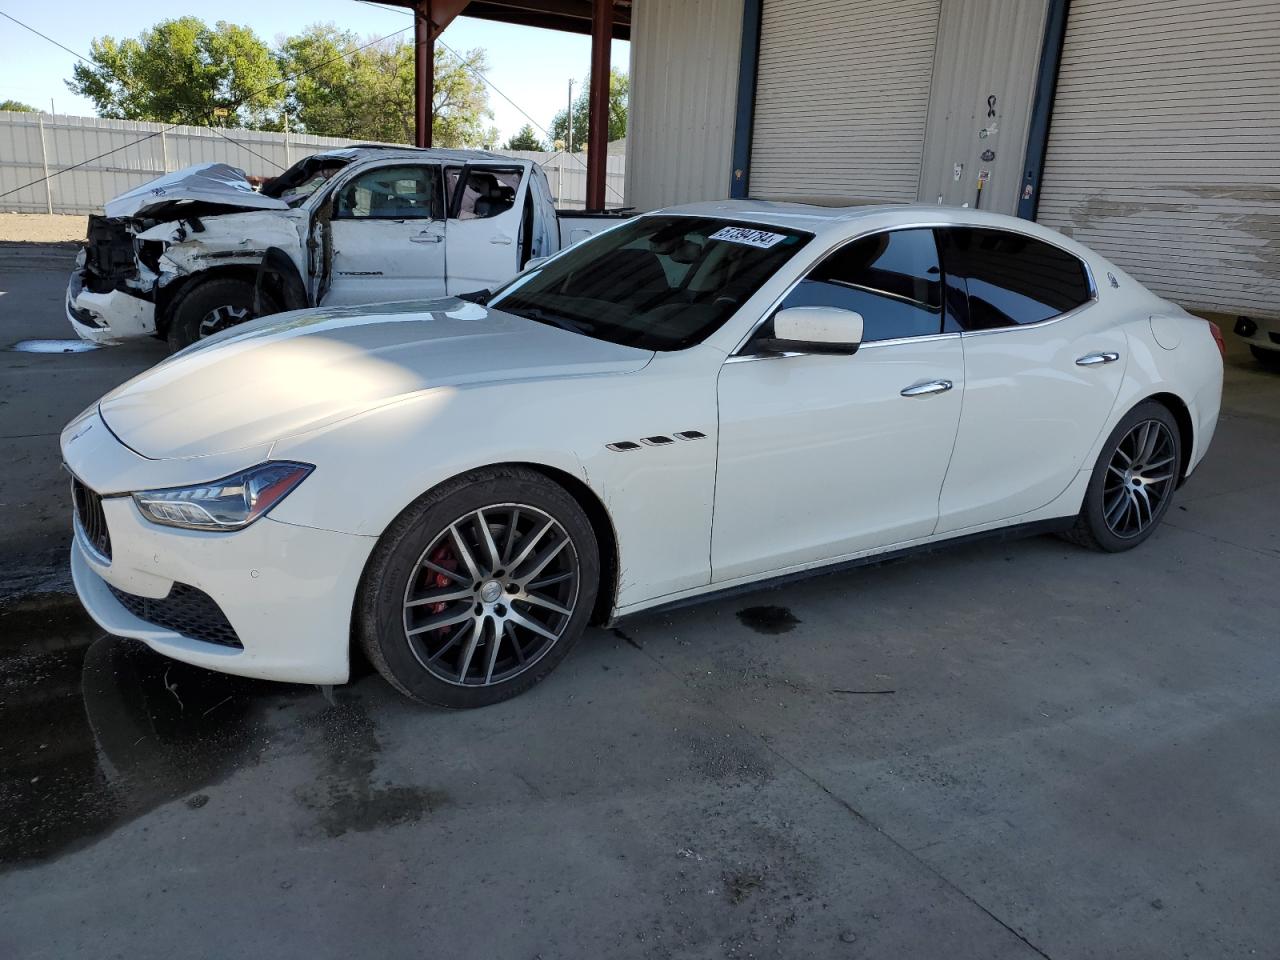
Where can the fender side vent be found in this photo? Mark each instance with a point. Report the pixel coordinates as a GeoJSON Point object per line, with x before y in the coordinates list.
{"type": "Point", "coordinates": [657, 441]}
{"type": "Point", "coordinates": [691, 435]}
{"type": "Point", "coordinates": [622, 446]}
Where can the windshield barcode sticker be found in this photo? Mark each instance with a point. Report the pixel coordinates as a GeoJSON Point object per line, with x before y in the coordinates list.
{"type": "Point", "coordinates": [752, 238]}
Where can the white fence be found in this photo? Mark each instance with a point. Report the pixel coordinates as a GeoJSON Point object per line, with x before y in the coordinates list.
{"type": "Point", "coordinates": [59, 164]}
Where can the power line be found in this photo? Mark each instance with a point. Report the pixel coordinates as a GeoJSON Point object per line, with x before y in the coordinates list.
{"type": "Point", "coordinates": [235, 105]}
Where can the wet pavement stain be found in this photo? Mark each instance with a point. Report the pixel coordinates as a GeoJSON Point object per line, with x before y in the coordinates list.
{"type": "Point", "coordinates": [769, 620]}
{"type": "Point", "coordinates": [346, 797]}
{"type": "Point", "coordinates": [96, 730]}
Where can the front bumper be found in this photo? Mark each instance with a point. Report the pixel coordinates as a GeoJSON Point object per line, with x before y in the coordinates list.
{"type": "Point", "coordinates": [107, 317]}
{"type": "Point", "coordinates": [287, 591]}
{"type": "Point", "coordinates": [1257, 332]}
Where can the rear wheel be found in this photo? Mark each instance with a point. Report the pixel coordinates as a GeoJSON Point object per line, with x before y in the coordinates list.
{"type": "Point", "coordinates": [1133, 481]}
{"type": "Point", "coordinates": [478, 590]}
{"type": "Point", "coordinates": [211, 307]}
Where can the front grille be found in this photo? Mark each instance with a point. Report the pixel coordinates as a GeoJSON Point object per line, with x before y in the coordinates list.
{"type": "Point", "coordinates": [186, 610]}
{"type": "Point", "coordinates": [92, 520]}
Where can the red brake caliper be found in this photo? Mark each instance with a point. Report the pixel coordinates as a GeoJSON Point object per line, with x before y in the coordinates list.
{"type": "Point", "coordinates": [441, 557]}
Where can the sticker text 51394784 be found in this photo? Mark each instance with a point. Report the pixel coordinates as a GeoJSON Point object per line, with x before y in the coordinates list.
{"type": "Point", "coordinates": [752, 238]}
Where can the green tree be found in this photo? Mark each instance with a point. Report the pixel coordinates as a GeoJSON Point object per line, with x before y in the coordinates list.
{"type": "Point", "coordinates": [618, 91]}
{"type": "Point", "coordinates": [339, 89]}
{"type": "Point", "coordinates": [183, 71]}
{"type": "Point", "coordinates": [17, 106]}
{"type": "Point", "coordinates": [525, 139]}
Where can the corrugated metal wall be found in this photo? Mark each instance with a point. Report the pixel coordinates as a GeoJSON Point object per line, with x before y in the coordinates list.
{"type": "Point", "coordinates": [842, 99]}
{"type": "Point", "coordinates": [986, 48]}
{"type": "Point", "coordinates": [684, 87]}
{"type": "Point", "coordinates": [129, 153]}
{"type": "Point", "coordinates": [1164, 149]}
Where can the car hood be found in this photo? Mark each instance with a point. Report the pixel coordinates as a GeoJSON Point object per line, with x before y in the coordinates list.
{"type": "Point", "coordinates": [293, 372]}
{"type": "Point", "coordinates": [211, 182]}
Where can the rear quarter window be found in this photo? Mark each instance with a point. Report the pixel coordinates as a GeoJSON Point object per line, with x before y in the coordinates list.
{"type": "Point", "coordinates": [1013, 279]}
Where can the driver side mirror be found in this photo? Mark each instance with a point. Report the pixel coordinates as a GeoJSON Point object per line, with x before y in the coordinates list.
{"type": "Point", "coordinates": [829, 330]}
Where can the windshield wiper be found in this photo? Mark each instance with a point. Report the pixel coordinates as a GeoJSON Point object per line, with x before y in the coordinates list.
{"type": "Point", "coordinates": [538, 315]}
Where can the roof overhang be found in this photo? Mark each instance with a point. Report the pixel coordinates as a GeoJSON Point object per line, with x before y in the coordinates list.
{"type": "Point", "coordinates": [568, 16]}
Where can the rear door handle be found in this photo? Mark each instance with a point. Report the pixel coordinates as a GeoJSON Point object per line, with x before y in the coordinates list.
{"type": "Point", "coordinates": [505, 241]}
{"type": "Point", "coordinates": [425, 237]}
{"type": "Point", "coordinates": [1093, 359]}
{"type": "Point", "coordinates": [928, 389]}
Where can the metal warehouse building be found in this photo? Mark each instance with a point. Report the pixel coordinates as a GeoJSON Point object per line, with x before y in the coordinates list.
{"type": "Point", "coordinates": [1148, 129]}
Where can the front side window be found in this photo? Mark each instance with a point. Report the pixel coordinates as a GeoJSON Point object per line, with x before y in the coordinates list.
{"type": "Point", "coordinates": [659, 283]}
{"type": "Point", "coordinates": [1013, 279]}
{"type": "Point", "coordinates": [488, 192]}
{"type": "Point", "coordinates": [892, 279]}
{"type": "Point", "coordinates": [392, 193]}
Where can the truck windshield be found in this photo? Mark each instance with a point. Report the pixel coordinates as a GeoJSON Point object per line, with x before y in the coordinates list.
{"type": "Point", "coordinates": [658, 283]}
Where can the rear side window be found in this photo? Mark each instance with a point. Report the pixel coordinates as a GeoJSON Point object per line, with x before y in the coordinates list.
{"type": "Point", "coordinates": [1012, 279]}
{"type": "Point", "coordinates": [892, 279]}
{"type": "Point", "coordinates": [488, 192]}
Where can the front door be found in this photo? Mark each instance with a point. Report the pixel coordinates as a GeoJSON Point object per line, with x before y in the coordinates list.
{"type": "Point", "coordinates": [485, 222]}
{"type": "Point", "coordinates": [387, 236]}
{"type": "Point", "coordinates": [823, 457]}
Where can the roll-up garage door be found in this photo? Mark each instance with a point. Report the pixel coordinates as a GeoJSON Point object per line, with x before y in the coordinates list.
{"type": "Point", "coordinates": [842, 95]}
{"type": "Point", "coordinates": [1164, 147]}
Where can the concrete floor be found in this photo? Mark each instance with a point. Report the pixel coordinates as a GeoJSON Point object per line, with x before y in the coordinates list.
{"type": "Point", "coordinates": [1008, 750]}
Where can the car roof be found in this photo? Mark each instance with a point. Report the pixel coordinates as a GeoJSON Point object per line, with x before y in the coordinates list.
{"type": "Point", "coordinates": [371, 151]}
{"type": "Point", "coordinates": [821, 219]}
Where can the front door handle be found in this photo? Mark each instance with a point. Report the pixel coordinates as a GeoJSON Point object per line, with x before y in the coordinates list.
{"type": "Point", "coordinates": [505, 241]}
{"type": "Point", "coordinates": [928, 389]}
{"type": "Point", "coordinates": [1093, 359]}
{"type": "Point", "coordinates": [425, 237]}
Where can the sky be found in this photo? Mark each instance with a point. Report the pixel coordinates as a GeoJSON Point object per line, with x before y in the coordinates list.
{"type": "Point", "coordinates": [532, 67]}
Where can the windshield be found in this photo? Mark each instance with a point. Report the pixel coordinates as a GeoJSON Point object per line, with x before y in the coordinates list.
{"type": "Point", "coordinates": [303, 179]}
{"type": "Point", "coordinates": [659, 283]}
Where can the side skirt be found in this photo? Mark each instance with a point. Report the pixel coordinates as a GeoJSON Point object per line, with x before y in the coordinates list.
{"type": "Point", "coordinates": [1014, 532]}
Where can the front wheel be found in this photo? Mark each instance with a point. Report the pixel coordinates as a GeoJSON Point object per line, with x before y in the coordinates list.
{"type": "Point", "coordinates": [1133, 481]}
{"type": "Point", "coordinates": [478, 590]}
{"type": "Point", "coordinates": [211, 307]}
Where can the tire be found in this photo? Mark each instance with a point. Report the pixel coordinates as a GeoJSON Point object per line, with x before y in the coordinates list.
{"type": "Point", "coordinates": [421, 573]}
{"type": "Point", "coordinates": [210, 307]}
{"type": "Point", "coordinates": [1268, 358]}
{"type": "Point", "coordinates": [1123, 505]}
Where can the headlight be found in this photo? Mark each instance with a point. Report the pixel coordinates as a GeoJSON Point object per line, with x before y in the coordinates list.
{"type": "Point", "coordinates": [231, 503]}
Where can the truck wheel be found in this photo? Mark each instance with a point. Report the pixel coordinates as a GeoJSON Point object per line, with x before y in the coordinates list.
{"type": "Point", "coordinates": [212, 306]}
{"type": "Point", "coordinates": [1268, 358]}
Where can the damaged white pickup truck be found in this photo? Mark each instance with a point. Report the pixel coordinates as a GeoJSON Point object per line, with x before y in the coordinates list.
{"type": "Point", "coordinates": [199, 250]}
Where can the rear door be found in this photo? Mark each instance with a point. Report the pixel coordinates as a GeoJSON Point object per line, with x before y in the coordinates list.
{"type": "Point", "coordinates": [486, 225]}
{"type": "Point", "coordinates": [387, 236]}
{"type": "Point", "coordinates": [1043, 363]}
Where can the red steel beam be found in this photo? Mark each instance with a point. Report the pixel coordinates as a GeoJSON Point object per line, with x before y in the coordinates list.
{"type": "Point", "coordinates": [424, 71]}
{"type": "Point", "coordinates": [598, 108]}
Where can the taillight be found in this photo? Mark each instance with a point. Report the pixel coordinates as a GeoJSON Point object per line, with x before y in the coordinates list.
{"type": "Point", "coordinates": [1217, 338]}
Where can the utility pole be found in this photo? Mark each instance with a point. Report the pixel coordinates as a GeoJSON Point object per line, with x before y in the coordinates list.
{"type": "Point", "coordinates": [569, 141]}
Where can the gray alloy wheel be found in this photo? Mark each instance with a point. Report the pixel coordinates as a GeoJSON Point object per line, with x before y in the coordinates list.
{"type": "Point", "coordinates": [1141, 474]}
{"type": "Point", "coordinates": [219, 318]}
{"type": "Point", "coordinates": [1133, 481]}
{"type": "Point", "coordinates": [491, 595]}
{"type": "Point", "coordinates": [479, 588]}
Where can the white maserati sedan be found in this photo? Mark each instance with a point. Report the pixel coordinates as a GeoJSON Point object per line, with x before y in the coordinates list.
{"type": "Point", "coordinates": [694, 401]}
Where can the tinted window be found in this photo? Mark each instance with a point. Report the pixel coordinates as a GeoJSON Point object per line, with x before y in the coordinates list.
{"type": "Point", "coordinates": [1012, 279]}
{"type": "Point", "coordinates": [392, 193]}
{"type": "Point", "coordinates": [656, 282]}
{"type": "Point", "coordinates": [892, 279]}
{"type": "Point", "coordinates": [488, 192]}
